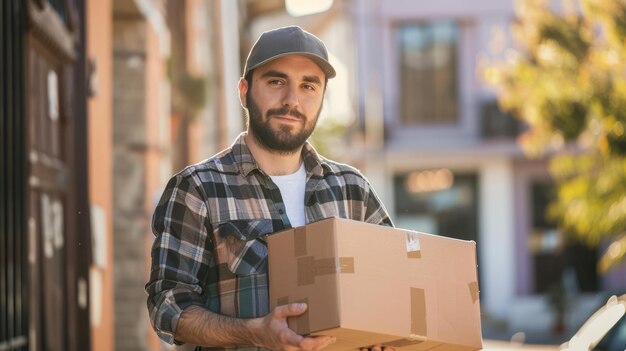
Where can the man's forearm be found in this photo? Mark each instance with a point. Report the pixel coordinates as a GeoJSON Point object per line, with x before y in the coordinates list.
{"type": "Point", "coordinates": [199, 326]}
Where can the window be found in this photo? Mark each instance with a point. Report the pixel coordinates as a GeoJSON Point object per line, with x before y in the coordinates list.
{"type": "Point", "coordinates": [428, 72]}
{"type": "Point", "coordinates": [557, 260]}
{"type": "Point", "coordinates": [59, 7]}
{"type": "Point", "coordinates": [498, 124]}
{"type": "Point", "coordinates": [438, 202]}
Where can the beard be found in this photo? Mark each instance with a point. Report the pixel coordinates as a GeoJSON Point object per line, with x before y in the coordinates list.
{"type": "Point", "coordinates": [282, 140]}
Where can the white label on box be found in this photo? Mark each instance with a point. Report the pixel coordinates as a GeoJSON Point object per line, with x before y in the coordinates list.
{"type": "Point", "coordinates": [412, 242]}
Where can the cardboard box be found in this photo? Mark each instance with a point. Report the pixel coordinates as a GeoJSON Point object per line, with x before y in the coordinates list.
{"type": "Point", "coordinates": [368, 284]}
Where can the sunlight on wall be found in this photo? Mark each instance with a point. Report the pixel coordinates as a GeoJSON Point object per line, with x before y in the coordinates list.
{"type": "Point", "coordinates": [307, 7]}
{"type": "Point", "coordinates": [338, 103]}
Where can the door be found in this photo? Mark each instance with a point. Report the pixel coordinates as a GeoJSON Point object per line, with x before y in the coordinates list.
{"type": "Point", "coordinates": [57, 213]}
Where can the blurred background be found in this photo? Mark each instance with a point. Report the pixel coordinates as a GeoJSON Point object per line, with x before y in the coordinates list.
{"type": "Point", "coordinates": [488, 120]}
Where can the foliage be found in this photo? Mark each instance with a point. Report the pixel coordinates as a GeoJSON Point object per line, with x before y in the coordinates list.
{"type": "Point", "coordinates": [189, 92]}
{"type": "Point", "coordinates": [329, 138]}
{"type": "Point", "coordinates": [567, 80]}
{"type": "Point", "coordinates": [557, 300]}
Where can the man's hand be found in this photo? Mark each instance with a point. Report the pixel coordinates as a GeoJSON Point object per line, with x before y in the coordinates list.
{"type": "Point", "coordinates": [199, 326]}
{"type": "Point", "coordinates": [272, 331]}
{"type": "Point", "coordinates": [379, 348]}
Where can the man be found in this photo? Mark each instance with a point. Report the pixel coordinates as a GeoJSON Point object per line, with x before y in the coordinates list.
{"type": "Point", "coordinates": [208, 282]}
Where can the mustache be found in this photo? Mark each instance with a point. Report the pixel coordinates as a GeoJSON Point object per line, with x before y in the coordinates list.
{"type": "Point", "coordinates": [285, 111]}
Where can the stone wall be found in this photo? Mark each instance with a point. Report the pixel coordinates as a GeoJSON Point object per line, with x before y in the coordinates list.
{"type": "Point", "coordinates": [130, 219]}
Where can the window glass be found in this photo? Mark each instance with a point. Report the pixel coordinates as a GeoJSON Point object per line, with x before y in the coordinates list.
{"type": "Point", "coordinates": [428, 73]}
{"type": "Point", "coordinates": [439, 202]}
{"type": "Point", "coordinates": [59, 7]}
{"type": "Point", "coordinates": [558, 261]}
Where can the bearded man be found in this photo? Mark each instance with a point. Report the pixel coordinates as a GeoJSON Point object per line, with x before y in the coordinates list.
{"type": "Point", "coordinates": [208, 283]}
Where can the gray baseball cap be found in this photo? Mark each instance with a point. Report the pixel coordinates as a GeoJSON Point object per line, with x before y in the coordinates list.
{"type": "Point", "coordinates": [285, 41]}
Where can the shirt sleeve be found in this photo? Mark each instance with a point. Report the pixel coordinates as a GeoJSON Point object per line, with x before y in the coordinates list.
{"type": "Point", "coordinates": [375, 211]}
{"type": "Point", "coordinates": [181, 255]}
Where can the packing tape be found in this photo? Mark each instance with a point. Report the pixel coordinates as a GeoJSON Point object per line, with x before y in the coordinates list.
{"type": "Point", "coordinates": [414, 254]}
{"type": "Point", "coordinates": [299, 241]}
{"type": "Point", "coordinates": [309, 268]}
{"type": "Point", "coordinates": [401, 342]}
{"type": "Point", "coordinates": [300, 324]}
{"type": "Point", "coordinates": [418, 311]}
{"type": "Point", "coordinates": [474, 292]}
{"type": "Point", "coordinates": [346, 264]}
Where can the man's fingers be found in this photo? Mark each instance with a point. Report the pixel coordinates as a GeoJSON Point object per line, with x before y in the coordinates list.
{"type": "Point", "coordinates": [378, 347]}
{"type": "Point", "coordinates": [316, 342]}
{"type": "Point", "coordinates": [288, 337]}
{"type": "Point", "coordinates": [292, 309]}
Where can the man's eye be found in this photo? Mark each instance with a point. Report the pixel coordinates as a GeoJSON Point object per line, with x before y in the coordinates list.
{"type": "Point", "coordinates": [309, 87]}
{"type": "Point", "coordinates": [275, 82]}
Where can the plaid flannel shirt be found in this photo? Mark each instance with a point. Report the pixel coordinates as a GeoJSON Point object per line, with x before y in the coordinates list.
{"type": "Point", "coordinates": [210, 225]}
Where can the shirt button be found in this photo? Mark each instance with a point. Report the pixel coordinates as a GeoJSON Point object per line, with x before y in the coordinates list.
{"type": "Point", "coordinates": [281, 211]}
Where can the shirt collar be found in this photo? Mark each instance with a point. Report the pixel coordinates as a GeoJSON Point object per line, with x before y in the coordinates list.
{"type": "Point", "coordinates": [245, 162]}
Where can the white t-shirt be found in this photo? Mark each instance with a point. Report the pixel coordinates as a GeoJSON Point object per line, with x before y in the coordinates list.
{"type": "Point", "coordinates": [292, 187]}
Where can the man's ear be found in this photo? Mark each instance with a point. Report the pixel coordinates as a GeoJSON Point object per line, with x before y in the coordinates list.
{"type": "Point", "coordinates": [243, 91]}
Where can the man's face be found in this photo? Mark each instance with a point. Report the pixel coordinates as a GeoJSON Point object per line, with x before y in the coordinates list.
{"type": "Point", "coordinates": [284, 103]}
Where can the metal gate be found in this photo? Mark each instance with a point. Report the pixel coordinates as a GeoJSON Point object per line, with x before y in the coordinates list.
{"type": "Point", "coordinates": [13, 248]}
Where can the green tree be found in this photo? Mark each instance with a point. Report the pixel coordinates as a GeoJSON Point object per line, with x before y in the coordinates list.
{"type": "Point", "coordinates": [566, 79]}
{"type": "Point", "coordinates": [329, 139]}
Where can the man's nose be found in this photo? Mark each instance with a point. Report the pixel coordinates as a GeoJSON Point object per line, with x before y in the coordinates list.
{"type": "Point", "coordinates": [290, 98]}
